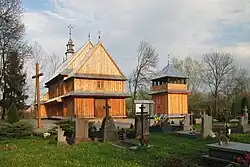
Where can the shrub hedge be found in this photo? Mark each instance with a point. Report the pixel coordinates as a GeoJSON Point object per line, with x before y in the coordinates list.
{"type": "Point", "coordinates": [20, 129]}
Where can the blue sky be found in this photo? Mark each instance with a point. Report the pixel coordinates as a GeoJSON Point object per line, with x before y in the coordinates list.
{"type": "Point", "coordinates": [35, 5]}
{"type": "Point", "coordinates": [179, 28]}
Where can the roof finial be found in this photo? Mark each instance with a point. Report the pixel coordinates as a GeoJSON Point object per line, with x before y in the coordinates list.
{"type": "Point", "coordinates": [89, 36]}
{"type": "Point", "coordinates": [99, 35]}
{"type": "Point", "coordinates": [168, 58]}
{"type": "Point", "coordinates": [70, 28]}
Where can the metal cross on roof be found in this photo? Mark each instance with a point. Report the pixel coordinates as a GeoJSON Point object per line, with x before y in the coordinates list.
{"type": "Point", "coordinates": [89, 36]}
{"type": "Point", "coordinates": [99, 35]}
{"type": "Point", "coordinates": [70, 28]}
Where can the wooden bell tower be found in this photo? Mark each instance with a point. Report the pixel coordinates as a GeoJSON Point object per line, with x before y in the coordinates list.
{"type": "Point", "coordinates": [170, 93]}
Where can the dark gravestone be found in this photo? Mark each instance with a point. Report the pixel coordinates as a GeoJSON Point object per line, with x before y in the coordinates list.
{"type": "Point", "coordinates": [166, 126]}
{"type": "Point", "coordinates": [81, 130]}
{"type": "Point", "coordinates": [138, 124]}
{"type": "Point", "coordinates": [108, 129]}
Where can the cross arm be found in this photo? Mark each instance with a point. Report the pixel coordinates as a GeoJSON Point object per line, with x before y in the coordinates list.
{"type": "Point", "coordinates": [39, 75]}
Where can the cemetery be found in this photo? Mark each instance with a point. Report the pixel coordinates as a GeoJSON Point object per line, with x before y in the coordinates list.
{"type": "Point", "coordinates": [84, 111]}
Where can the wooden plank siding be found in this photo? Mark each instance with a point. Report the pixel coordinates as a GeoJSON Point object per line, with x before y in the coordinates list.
{"type": "Point", "coordinates": [99, 85]}
{"type": "Point", "coordinates": [100, 111]}
{"type": "Point", "coordinates": [43, 111]}
{"type": "Point", "coordinates": [118, 107]}
{"type": "Point", "coordinates": [177, 86]}
{"type": "Point", "coordinates": [68, 85]}
{"type": "Point", "coordinates": [177, 104]}
{"type": "Point", "coordinates": [84, 107]}
{"type": "Point", "coordinates": [100, 63]}
{"type": "Point", "coordinates": [68, 107]}
{"type": "Point", "coordinates": [161, 103]}
{"type": "Point", "coordinates": [54, 109]}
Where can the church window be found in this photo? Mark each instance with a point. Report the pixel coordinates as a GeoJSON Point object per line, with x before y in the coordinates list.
{"type": "Point", "coordinates": [100, 84]}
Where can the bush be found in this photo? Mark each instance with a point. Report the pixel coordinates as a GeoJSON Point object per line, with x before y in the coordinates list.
{"type": "Point", "coordinates": [13, 115]}
{"type": "Point", "coordinates": [18, 130]}
{"type": "Point", "coordinates": [68, 126]}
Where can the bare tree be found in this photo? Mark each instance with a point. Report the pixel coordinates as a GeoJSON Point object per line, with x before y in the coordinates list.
{"type": "Point", "coordinates": [218, 66]}
{"type": "Point", "coordinates": [147, 59]}
{"type": "Point", "coordinates": [53, 62]}
{"type": "Point", "coordinates": [191, 68]}
{"type": "Point", "coordinates": [235, 84]}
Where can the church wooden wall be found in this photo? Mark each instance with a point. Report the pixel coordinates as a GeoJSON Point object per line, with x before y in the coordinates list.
{"type": "Point", "coordinates": [99, 63]}
{"type": "Point", "coordinates": [99, 85]}
{"type": "Point", "coordinates": [54, 109]}
{"type": "Point", "coordinates": [177, 104]}
{"type": "Point", "coordinates": [161, 103]}
{"type": "Point", "coordinates": [56, 89]}
{"type": "Point", "coordinates": [68, 107]}
{"type": "Point", "coordinates": [68, 85]}
{"type": "Point", "coordinates": [118, 107]}
{"type": "Point", "coordinates": [43, 111]}
{"type": "Point", "coordinates": [84, 107]}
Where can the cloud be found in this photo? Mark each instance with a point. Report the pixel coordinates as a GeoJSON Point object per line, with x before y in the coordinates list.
{"type": "Point", "coordinates": [178, 28]}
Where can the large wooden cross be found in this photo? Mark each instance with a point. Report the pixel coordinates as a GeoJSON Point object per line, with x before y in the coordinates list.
{"type": "Point", "coordinates": [39, 124]}
{"type": "Point", "coordinates": [107, 107]}
{"type": "Point", "coordinates": [142, 136]}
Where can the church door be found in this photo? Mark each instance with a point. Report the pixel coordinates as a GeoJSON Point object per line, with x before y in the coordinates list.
{"type": "Point", "coordinates": [100, 111]}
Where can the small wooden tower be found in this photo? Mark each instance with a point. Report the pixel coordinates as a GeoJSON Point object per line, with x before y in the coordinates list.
{"type": "Point", "coordinates": [169, 92]}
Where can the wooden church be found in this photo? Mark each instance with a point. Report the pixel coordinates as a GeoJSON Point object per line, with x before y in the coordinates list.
{"type": "Point", "coordinates": [170, 92]}
{"type": "Point", "coordinates": [87, 81]}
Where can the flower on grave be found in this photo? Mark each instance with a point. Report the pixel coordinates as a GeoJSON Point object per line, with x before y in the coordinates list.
{"type": "Point", "coordinates": [46, 134]}
{"type": "Point", "coordinates": [245, 159]}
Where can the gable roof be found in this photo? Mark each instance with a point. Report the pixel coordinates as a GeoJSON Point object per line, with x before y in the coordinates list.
{"type": "Point", "coordinates": [64, 68]}
{"type": "Point", "coordinates": [87, 57]}
{"type": "Point", "coordinates": [169, 71]}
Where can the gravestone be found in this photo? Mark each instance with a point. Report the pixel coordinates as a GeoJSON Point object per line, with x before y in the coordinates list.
{"type": "Point", "coordinates": [138, 125]}
{"type": "Point", "coordinates": [108, 130]}
{"type": "Point", "coordinates": [81, 130]}
{"type": "Point", "coordinates": [206, 126]}
{"type": "Point", "coordinates": [244, 120]}
{"type": "Point", "coordinates": [186, 123]}
{"type": "Point", "coordinates": [61, 139]}
{"type": "Point", "coordinates": [166, 126]}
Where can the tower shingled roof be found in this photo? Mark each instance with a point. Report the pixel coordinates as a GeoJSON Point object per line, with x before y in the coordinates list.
{"type": "Point", "coordinates": [169, 71]}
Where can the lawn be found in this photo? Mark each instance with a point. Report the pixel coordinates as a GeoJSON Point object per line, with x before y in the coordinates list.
{"type": "Point", "coordinates": [38, 152]}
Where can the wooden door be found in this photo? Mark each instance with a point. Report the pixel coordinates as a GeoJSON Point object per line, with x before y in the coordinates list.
{"type": "Point", "coordinates": [99, 108]}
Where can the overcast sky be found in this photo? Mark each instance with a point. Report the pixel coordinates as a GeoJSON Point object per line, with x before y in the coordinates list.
{"type": "Point", "coordinates": [176, 27]}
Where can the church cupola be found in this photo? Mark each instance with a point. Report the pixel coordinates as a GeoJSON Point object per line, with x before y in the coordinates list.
{"type": "Point", "coordinates": [70, 45]}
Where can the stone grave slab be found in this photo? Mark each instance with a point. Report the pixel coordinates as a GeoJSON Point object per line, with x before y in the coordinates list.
{"type": "Point", "coordinates": [108, 130]}
{"type": "Point", "coordinates": [81, 130]}
{"type": "Point", "coordinates": [187, 126]}
{"type": "Point", "coordinates": [206, 125]}
{"type": "Point", "coordinates": [225, 154]}
{"type": "Point", "coordinates": [145, 125]}
{"type": "Point", "coordinates": [166, 126]}
{"type": "Point", "coordinates": [61, 139]}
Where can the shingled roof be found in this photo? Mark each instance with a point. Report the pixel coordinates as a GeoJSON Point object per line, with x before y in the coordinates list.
{"type": "Point", "coordinates": [64, 68]}
{"type": "Point", "coordinates": [169, 71]}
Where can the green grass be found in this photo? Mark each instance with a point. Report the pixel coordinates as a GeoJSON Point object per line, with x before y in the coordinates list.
{"type": "Point", "coordinates": [37, 152]}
